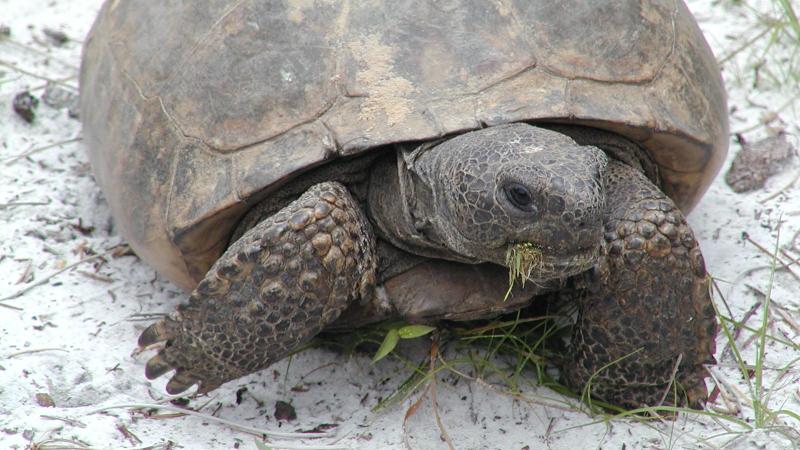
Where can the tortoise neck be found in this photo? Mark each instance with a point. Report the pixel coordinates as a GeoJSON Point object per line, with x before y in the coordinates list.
{"type": "Point", "coordinates": [400, 202]}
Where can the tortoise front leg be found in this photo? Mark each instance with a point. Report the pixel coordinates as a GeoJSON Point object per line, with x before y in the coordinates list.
{"type": "Point", "coordinates": [647, 310]}
{"type": "Point", "coordinates": [275, 288]}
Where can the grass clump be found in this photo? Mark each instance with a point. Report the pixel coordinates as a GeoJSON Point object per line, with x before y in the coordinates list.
{"type": "Point", "coordinates": [522, 260]}
{"type": "Point", "coordinates": [769, 52]}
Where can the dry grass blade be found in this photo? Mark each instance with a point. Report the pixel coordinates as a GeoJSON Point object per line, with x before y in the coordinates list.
{"type": "Point", "coordinates": [237, 426]}
{"type": "Point", "coordinates": [37, 350]}
{"type": "Point", "coordinates": [434, 404]}
{"type": "Point", "coordinates": [786, 316]}
{"type": "Point", "coordinates": [522, 260]}
{"type": "Point", "coordinates": [13, 159]}
{"type": "Point", "coordinates": [37, 76]}
{"type": "Point", "coordinates": [768, 253]}
{"type": "Point", "coordinates": [70, 422]}
{"type": "Point", "coordinates": [16, 204]}
{"type": "Point", "coordinates": [127, 434]}
{"type": "Point", "coordinates": [782, 190]}
{"type": "Point", "coordinates": [410, 412]}
{"type": "Point", "coordinates": [46, 279]}
{"type": "Point", "coordinates": [671, 383]}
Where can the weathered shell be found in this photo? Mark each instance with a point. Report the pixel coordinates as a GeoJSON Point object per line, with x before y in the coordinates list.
{"type": "Point", "coordinates": [195, 109]}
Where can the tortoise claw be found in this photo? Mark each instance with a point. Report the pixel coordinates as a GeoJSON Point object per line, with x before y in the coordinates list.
{"type": "Point", "coordinates": [163, 330]}
{"type": "Point", "coordinates": [181, 381]}
{"type": "Point", "coordinates": [156, 367]}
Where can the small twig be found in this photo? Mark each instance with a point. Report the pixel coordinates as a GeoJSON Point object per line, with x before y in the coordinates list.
{"type": "Point", "coordinates": [145, 317]}
{"type": "Point", "coordinates": [324, 366]}
{"type": "Point", "coordinates": [37, 350]}
{"type": "Point", "coordinates": [46, 84]}
{"type": "Point", "coordinates": [726, 390]}
{"type": "Point", "coordinates": [46, 444]}
{"type": "Point", "coordinates": [127, 434]}
{"type": "Point", "coordinates": [772, 117]}
{"type": "Point", "coordinates": [37, 76]}
{"type": "Point", "coordinates": [728, 399]}
{"type": "Point", "coordinates": [14, 204]}
{"type": "Point", "coordinates": [769, 253]}
{"type": "Point", "coordinates": [73, 422]}
{"type": "Point", "coordinates": [778, 308]}
{"type": "Point", "coordinates": [410, 412]}
{"type": "Point", "coordinates": [13, 159]}
{"type": "Point", "coordinates": [48, 278]}
{"type": "Point", "coordinates": [96, 276]}
{"type": "Point", "coordinates": [792, 259]}
{"type": "Point", "coordinates": [49, 56]}
{"type": "Point", "coordinates": [747, 315]}
{"type": "Point", "coordinates": [786, 316]}
{"type": "Point", "coordinates": [240, 427]}
{"type": "Point", "coordinates": [434, 403]}
{"type": "Point", "coordinates": [15, 308]}
{"type": "Point", "coordinates": [26, 273]}
{"type": "Point", "coordinates": [50, 249]}
{"type": "Point", "coordinates": [749, 341]}
{"type": "Point", "coordinates": [71, 444]}
{"type": "Point", "coordinates": [781, 190]}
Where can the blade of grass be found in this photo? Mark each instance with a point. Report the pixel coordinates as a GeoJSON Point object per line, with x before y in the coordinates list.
{"type": "Point", "coordinates": [758, 401]}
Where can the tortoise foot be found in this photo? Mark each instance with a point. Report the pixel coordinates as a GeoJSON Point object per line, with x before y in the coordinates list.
{"type": "Point", "coordinates": [274, 289]}
{"type": "Point", "coordinates": [646, 326]}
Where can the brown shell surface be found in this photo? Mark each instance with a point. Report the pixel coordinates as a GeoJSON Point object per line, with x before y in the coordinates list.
{"type": "Point", "coordinates": [194, 110]}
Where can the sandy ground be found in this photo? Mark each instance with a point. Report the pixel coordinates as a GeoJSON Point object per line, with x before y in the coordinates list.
{"type": "Point", "coordinates": [66, 341]}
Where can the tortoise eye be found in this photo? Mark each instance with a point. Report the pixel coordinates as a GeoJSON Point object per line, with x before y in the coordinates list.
{"type": "Point", "coordinates": [519, 196]}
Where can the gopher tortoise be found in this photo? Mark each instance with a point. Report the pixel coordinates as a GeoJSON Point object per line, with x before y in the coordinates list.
{"type": "Point", "coordinates": [303, 165]}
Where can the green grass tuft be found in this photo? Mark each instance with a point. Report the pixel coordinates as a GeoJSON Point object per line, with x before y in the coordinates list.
{"type": "Point", "coordinates": [522, 260]}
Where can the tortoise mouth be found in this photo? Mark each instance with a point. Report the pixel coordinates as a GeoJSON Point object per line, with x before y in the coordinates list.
{"type": "Point", "coordinates": [539, 263]}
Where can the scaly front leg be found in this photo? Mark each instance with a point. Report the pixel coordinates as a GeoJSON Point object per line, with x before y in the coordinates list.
{"type": "Point", "coordinates": [647, 311]}
{"type": "Point", "coordinates": [274, 289]}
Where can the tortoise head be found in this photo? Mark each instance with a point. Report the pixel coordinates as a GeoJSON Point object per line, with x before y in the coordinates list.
{"type": "Point", "coordinates": [514, 190]}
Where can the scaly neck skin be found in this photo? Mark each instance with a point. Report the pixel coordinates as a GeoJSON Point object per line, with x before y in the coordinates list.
{"type": "Point", "coordinates": [400, 205]}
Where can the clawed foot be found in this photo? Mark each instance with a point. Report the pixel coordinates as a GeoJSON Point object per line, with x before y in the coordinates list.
{"type": "Point", "coordinates": [274, 289]}
{"type": "Point", "coordinates": [647, 327]}
{"type": "Point", "coordinates": [163, 334]}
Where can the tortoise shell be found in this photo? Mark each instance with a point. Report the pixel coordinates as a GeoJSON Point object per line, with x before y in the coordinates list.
{"type": "Point", "coordinates": [195, 110]}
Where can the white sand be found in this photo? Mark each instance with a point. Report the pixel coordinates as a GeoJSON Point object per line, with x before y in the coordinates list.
{"type": "Point", "coordinates": [73, 336]}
